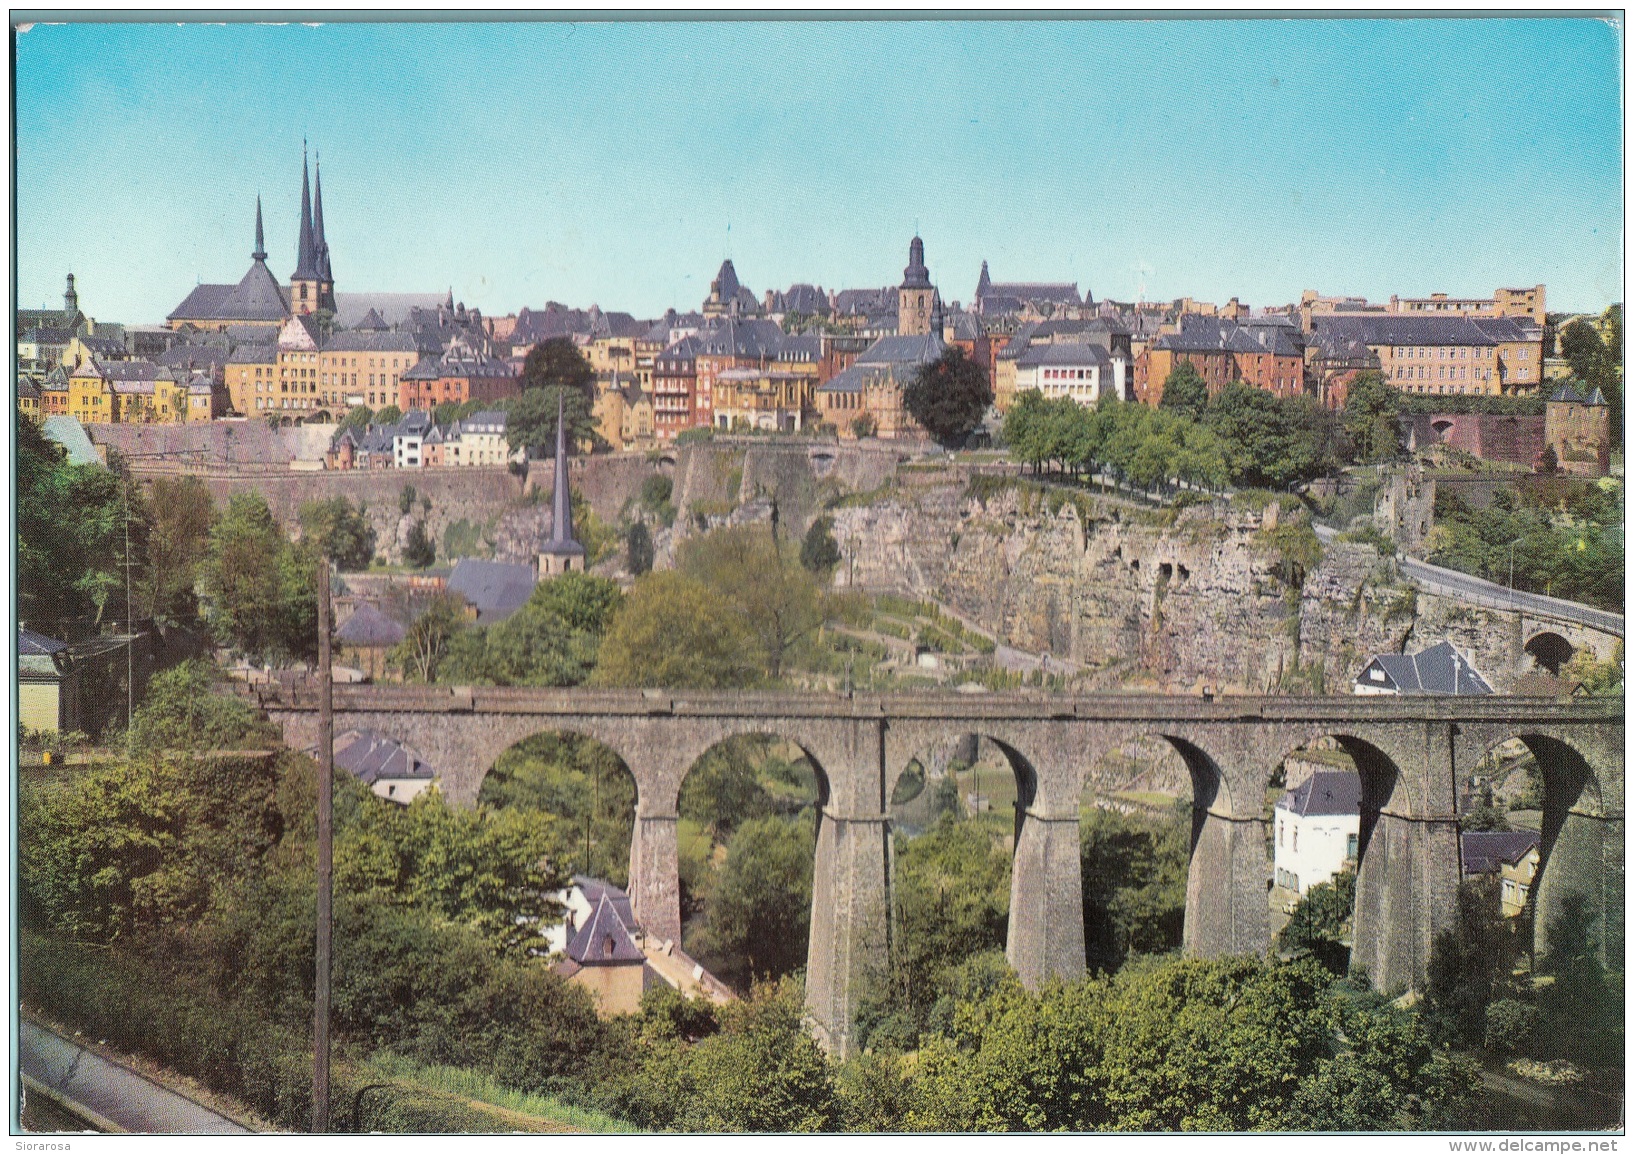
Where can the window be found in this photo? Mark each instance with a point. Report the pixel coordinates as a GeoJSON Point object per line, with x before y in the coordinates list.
{"type": "Point", "coordinates": [1296, 838]}
{"type": "Point", "coordinates": [1351, 846]}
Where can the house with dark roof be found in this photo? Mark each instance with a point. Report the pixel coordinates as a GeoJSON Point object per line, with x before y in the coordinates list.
{"type": "Point", "coordinates": [47, 683]}
{"type": "Point", "coordinates": [1260, 353]}
{"type": "Point", "coordinates": [872, 386]}
{"type": "Point", "coordinates": [257, 299]}
{"type": "Point", "coordinates": [1577, 427]}
{"type": "Point", "coordinates": [494, 589]}
{"type": "Point", "coordinates": [1316, 828]}
{"type": "Point", "coordinates": [1034, 299]}
{"type": "Point", "coordinates": [1511, 856]}
{"type": "Point", "coordinates": [1441, 669]}
{"type": "Point", "coordinates": [365, 638]}
{"type": "Point", "coordinates": [387, 767]}
{"type": "Point", "coordinates": [1082, 371]}
{"type": "Point", "coordinates": [728, 298]}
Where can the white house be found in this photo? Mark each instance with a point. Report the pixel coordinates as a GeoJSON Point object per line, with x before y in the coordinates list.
{"type": "Point", "coordinates": [1086, 372]}
{"type": "Point", "coordinates": [1317, 825]}
{"type": "Point", "coordinates": [1441, 669]}
{"type": "Point", "coordinates": [478, 440]}
{"type": "Point", "coordinates": [408, 439]}
{"type": "Point", "coordinates": [387, 767]}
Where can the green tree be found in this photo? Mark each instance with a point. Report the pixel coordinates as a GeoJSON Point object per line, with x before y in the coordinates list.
{"type": "Point", "coordinates": [557, 363]}
{"type": "Point", "coordinates": [358, 417]}
{"type": "Point", "coordinates": [1469, 961]}
{"type": "Point", "coordinates": [552, 640]}
{"type": "Point", "coordinates": [1134, 884]}
{"type": "Point", "coordinates": [674, 631]}
{"type": "Point", "coordinates": [419, 551]}
{"type": "Point", "coordinates": [1185, 391]}
{"type": "Point", "coordinates": [723, 788]}
{"type": "Point", "coordinates": [259, 587]}
{"type": "Point", "coordinates": [949, 396]}
{"type": "Point", "coordinates": [339, 531]}
{"type": "Point", "coordinates": [759, 910]}
{"type": "Point", "coordinates": [531, 419]}
{"type": "Point", "coordinates": [760, 581]}
{"type": "Point", "coordinates": [1372, 417]}
{"type": "Point", "coordinates": [638, 551]}
{"type": "Point", "coordinates": [388, 415]}
{"type": "Point", "coordinates": [1272, 442]}
{"type": "Point", "coordinates": [1320, 924]}
{"type": "Point", "coordinates": [426, 643]}
{"type": "Point", "coordinates": [863, 425]}
{"type": "Point", "coordinates": [585, 789]}
{"type": "Point", "coordinates": [819, 552]}
{"type": "Point", "coordinates": [183, 711]}
{"type": "Point", "coordinates": [406, 497]}
{"type": "Point", "coordinates": [177, 544]}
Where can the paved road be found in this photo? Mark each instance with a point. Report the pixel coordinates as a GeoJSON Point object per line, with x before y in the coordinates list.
{"type": "Point", "coordinates": [1451, 581]}
{"type": "Point", "coordinates": [114, 1092]}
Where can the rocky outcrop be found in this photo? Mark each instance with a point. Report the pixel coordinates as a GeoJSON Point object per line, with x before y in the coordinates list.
{"type": "Point", "coordinates": [1147, 599]}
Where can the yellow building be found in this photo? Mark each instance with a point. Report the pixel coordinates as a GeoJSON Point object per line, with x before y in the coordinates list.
{"type": "Point", "coordinates": [623, 413]}
{"type": "Point", "coordinates": [47, 683]}
{"type": "Point", "coordinates": [252, 374]}
{"type": "Point", "coordinates": [297, 378]}
{"type": "Point", "coordinates": [90, 393]}
{"type": "Point", "coordinates": [777, 400]}
{"type": "Point", "coordinates": [28, 399]}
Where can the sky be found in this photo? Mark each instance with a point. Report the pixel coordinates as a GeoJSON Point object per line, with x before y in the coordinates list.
{"type": "Point", "coordinates": [619, 163]}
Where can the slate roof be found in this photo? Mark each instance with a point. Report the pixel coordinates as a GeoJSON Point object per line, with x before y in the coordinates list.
{"type": "Point", "coordinates": [604, 939]}
{"type": "Point", "coordinates": [195, 357]}
{"type": "Point", "coordinates": [1055, 291]}
{"type": "Point", "coordinates": [256, 297]}
{"type": "Point", "coordinates": [483, 421]}
{"type": "Point", "coordinates": [802, 298]}
{"type": "Point", "coordinates": [595, 889]}
{"type": "Point", "coordinates": [1395, 329]}
{"type": "Point", "coordinates": [47, 336]}
{"type": "Point", "coordinates": [965, 326]}
{"type": "Point", "coordinates": [853, 301]}
{"type": "Point", "coordinates": [372, 321]}
{"type": "Point", "coordinates": [70, 434]}
{"type": "Point", "coordinates": [31, 643]}
{"type": "Point", "coordinates": [1506, 329]}
{"type": "Point", "coordinates": [1484, 851]}
{"type": "Point", "coordinates": [374, 341]}
{"type": "Point", "coordinates": [1441, 669]}
{"type": "Point", "coordinates": [26, 388]}
{"type": "Point", "coordinates": [392, 308]}
{"type": "Point", "coordinates": [369, 627]}
{"type": "Point", "coordinates": [265, 354]}
{"type": "Point", "coordinates": [497, 589]}
{"type": "Point", "coordinates": [369, 756]}
{"type": "Point", "coordinates": [912, 350]}
{"type": "Point", "coordinates": [1564, 392]}
{"type": "Point", "coordinates": [736, 337]}
{"type": "Point", "coordinates": [1064, 354]}
{"type": "Point", "coordinates": [1325, 792]}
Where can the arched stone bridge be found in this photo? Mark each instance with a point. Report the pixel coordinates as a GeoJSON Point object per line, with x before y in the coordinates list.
{"type": "Point", "coordinates": [1411, 753]}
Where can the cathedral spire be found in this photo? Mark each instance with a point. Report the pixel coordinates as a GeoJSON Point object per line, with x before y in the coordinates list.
{"type": "Point", "coordinates": [306, 258]}
{"type": "Point", "coordinates": [561, 525]}
{"type": "Point", "coordinates": [260, 253]}
{"type": "Point", "coordinates": [320, 242]}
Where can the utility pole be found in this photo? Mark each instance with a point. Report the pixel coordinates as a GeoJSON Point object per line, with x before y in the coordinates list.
{"type": "Point", "coordinates": [326, 854]}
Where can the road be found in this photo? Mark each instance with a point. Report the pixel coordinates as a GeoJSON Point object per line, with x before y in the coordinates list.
{"type": "Point", "coordinates": [1437, 579]}
{"type": "Point", "coordinates": [111, 1095]}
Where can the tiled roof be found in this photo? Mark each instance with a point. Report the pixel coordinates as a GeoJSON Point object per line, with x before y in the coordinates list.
{"type": "Point", "coordinates": [369, 756]}
{"type": "Point", "coordinates": [496, 589]}
{"type": "Point", "coordinates": [257, 297]}
{"type": "Point", "coordinates": [1064, 354]}
{"type": "Point", "coordinates": [373, 341]}
{"type": "Point", "coordinates": [604, 939]}
{"type": "Point", "coordinates": [1325, 792]}
{"type": "Point", "coordinates": [912, 350]}
{"type": "Point", "coordinates": [393, 308]}
{"type": "Point", "coordinates": [1395, 329]}
{"type": "Point", "coordinates": [1486, 850]}
{"type": "Point", "coordinates": [741, 338]}
{"type": "Point", "coordinates": [253, 355]}
{"type": "Point", "coordinates": [1441, 669]}
{"type": "Point", "coordinates": [29, 642]}
{"type": "Point", "coordinates": [369, 627]}
{"type": "Point", "coordinates": [70, 434]}
{"type": "Point", "coordinates": [1565, 392]}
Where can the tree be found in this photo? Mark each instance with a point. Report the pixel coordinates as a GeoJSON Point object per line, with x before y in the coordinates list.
{"type": "Point", "coordinates": [1134, 884]}
{"type": "Point", "coordinates": [177, 544]}
{"type": "Point", "coordinates": [819, 552]}
{"type": "Point", "coordinates": [1321, 923]}
{"type": "Point", "coordinates": [674, 631]}
{"type": "Point", "coordinates": [949, 396]}
{"type": "Point", "coordinates": [1468, 962]}
{"type": "Point", "coordinates": [182, 711]}
{"type": "Point", "coordinates": [419, 551]}
{"type": "Point", "coordinates": [260, 591]}
{"type": "Point", "coordinates": [1549, 460]}
{"type": "Point", "coordinates": [421, 652]}
{"type": "Point", "coordinates": [723, 790]}
{"type": "Point", "coordinates": [1270, 441]}
{"type": "Point", "coordinates": [583, 786]}
{"type": "Point", "coordinates": [358, 417]}
{"type": "Point", "coordinates": [531, 419]}
{"type": "Point", "coordinates": [638, 552]}
{"type": "Point", "coordinates": [777, 600]}
{"type": "Point", "coordinates": [389, 415]}
{"type": "Point", "coordinates": [1372, 417]}
{"type": "Point", "coordinates": [339, 531]}
{"type": "Point", "coordinates": [406, 498]}
{"type": "Point", "coordinates": [552, 640]}
{"type": "Point", "coordinates": [558, 364]}
{"type": "Point", "coordinates": [863, 425]}
{"type": "Point", "coordinates": [759, 911]}
{"type": "Point", "coordinates": [1185, 391]}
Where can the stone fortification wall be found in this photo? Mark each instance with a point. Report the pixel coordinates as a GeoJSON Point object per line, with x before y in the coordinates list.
{"type": "Point", "coordinates": [607, 481]}
{"type": "Point", "coordinates": [1142, 604]}
{"type": "Point", "coordinates": [220, 442]}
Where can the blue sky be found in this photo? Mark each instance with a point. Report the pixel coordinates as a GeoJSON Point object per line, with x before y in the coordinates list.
{"type": "Point", "coordinates": [618, 163]}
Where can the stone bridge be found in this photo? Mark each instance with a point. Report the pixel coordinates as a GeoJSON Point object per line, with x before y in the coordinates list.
{"type": "Point", "coordinates": [1411, 754]}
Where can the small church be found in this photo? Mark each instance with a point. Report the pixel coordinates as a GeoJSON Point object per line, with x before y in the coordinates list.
{"type": "Point", "coordinates": [562, 553]}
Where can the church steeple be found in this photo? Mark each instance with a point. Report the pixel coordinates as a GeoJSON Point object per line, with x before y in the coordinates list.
{"type": "Point", "coordinates": [70, 300]}
{"type": "Point", "coordinates": [561, 554]}
{"type": "Point", "coordinates": [320, 242]}
{"type": "Point", "coordinates": [307, 290]}
{"type": "Point", "coordinates": [913, 314]}
{"type": "Point", "coordinates": [260, 253]}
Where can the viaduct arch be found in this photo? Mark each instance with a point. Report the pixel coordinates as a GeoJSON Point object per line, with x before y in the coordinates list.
{"type": "Point", "coordinates": [1412, 754]}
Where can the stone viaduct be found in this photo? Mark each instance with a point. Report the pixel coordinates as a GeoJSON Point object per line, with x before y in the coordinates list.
{"type": "Point", "coordinates": [1411, 754]}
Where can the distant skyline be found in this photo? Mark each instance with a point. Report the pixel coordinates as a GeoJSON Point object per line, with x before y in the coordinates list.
{"type": "Point", "coordinates": [619, 163]}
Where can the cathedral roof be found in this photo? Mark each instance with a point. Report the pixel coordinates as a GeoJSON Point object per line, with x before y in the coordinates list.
{"type": "Point", "coordinates": [257, 297]}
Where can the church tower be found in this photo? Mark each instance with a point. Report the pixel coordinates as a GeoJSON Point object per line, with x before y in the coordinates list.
{"type": "Point", "coordinates": [913, 314]}
{"type": "Point", "coordinates": [326, 276]}
{"type": "Point", "coordinates": [309, 290]}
